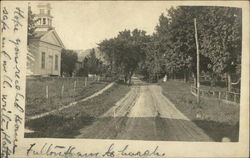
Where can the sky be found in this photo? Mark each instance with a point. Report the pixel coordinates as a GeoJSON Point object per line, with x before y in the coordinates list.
{"type": "Point", "coordinates": [81, 25]}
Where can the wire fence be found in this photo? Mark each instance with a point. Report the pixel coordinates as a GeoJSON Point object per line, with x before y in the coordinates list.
{"type": "Point", "coordinates": [50, 87]}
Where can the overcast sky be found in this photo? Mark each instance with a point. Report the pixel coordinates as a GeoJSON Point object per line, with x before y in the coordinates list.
{"type": "Point", "coordinates": [81, 25]}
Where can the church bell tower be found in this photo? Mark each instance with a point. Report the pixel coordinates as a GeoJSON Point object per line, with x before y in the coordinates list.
{"type": "Point", "coordinates": [44, 18]}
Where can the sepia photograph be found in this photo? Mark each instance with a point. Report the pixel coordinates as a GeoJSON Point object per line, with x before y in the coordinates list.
{"type": "Point", "coordinates": [141, 72]}
{"type": "Point", "coordinates": [124, 79]}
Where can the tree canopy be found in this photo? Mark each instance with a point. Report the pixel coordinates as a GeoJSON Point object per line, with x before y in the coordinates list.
{"type": "Point", "coordinates": [125, 52]}
{"type": "Point", "coordinates": [92, 65]}
{"type": "Point", "coordinates": [219, 38]}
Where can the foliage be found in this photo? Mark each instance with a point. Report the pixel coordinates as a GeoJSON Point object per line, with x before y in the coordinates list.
{"type": "Point", "coordinates": [219, 38]}
{"type": "Point", "coordinates": [153, 62]}
{"type": "Point", "coordinates": [125, 52]}
{"type": "Point", "coordinates": [222, 43]}
{"type": "Point", "coordinates": [31, 33]}
{"type": "Point", "coordinates": [31, 24]}
{"type": "Point", "coordinates": [68, 61]}
{"type": "Point", "coordinates": [92, 65]}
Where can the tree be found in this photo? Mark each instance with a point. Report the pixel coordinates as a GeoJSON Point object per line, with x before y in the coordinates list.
{"type": "Point", "coordinates": [152, 66]}
{"type": "Point", "coordinates": [31, 24]}
{"type": "Point", "coordinates": [179, 46]}
{"type": "Point", "coordinates": [68, 61]}
{"type": "Point", "coordinates": [125, 52]}
{"type": "Point", "coordinates": [222, 36]}
{"type": "Point", "coordinates": [31, 33]}
{"type": "Point", "coordinates": [219, 34]}
{"type": "Point", "coordinates": [92, 65]}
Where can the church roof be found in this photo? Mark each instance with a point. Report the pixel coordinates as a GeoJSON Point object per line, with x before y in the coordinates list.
{"type": "Point", "coordinates": [49, 37]}
{"type": "Point", "coordinates": [39, 34]}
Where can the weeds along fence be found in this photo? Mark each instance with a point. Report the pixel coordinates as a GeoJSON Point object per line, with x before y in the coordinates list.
{"type": "Point", "coordinates": [231, 97]}
{"type": "Point", "coordinates": [51, 87]}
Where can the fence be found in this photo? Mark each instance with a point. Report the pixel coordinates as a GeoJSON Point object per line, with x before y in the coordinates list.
{"type": "Point", "coordinates": [49, 87]}
{"type": "Point", "coordinates": [231, 97]}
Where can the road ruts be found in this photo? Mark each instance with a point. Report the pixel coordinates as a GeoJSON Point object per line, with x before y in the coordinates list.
{"type": "Point", "coordinates": [144, 114]}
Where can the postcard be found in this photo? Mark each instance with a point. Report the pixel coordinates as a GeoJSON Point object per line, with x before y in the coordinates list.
{"type": "Point", "coordinates": [124, 79]}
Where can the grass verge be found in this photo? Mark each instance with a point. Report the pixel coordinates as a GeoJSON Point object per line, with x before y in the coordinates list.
{"type": "Point", "coordinates": [38, 105]}
{"type": "Point", "coordinates": [68, 122]}
{"type": "Point", "coordinates": [216, 118]}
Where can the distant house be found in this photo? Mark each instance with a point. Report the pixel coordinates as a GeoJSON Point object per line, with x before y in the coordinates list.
{"type": "Point", "coordinates": [45, 46]}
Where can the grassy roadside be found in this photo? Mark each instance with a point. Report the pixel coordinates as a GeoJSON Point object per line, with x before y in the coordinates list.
{"type": "Point", "coordinates": [216, 118]}
{"type": "Point", "coordinates": [66, 123]}
{"type": "Point", "coordinates": [40, 105]}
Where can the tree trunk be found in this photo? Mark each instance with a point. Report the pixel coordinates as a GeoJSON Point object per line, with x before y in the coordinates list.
{"type": "Point", "coordinates": [229, 87]}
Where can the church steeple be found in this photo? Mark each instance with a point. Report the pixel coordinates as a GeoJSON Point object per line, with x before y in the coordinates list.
{"type": "Point", "coordinates": [44, 17]}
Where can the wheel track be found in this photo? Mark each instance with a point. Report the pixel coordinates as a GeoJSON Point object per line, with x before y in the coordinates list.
{"type": "Point", "coordinates": [128, 121]}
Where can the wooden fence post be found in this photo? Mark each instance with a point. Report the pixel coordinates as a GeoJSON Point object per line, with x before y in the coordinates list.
{"type": "Point", "coordinates": [47, 91]}
{"type": "Point", "coordinates": [62, 91]}
{"type": "Point", "coordinates": [85, 82]}
{"type": "Point", "coordinates": [235, 98]}
{"type": "Point", "coordinates": [75, 86]}
{"type": "Point", "coordinates": [219, 94]}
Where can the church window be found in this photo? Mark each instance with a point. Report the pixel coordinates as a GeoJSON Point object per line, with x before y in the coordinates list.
{"type": "Point", "coordinates": [56, 62]}
{"type": "Point", "coordinates": [43, 60]}
{"type": "Point", "coordinates": [44, 20]}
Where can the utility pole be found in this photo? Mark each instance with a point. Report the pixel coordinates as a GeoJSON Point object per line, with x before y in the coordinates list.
{"type": "Point", "coordinates": [198, 62]}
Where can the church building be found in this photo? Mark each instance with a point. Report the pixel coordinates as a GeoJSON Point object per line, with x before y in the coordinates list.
{"type": "Point", "coordinates": [45, 46]}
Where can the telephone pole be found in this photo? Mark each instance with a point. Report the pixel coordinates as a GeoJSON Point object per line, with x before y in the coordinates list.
{"type": "Point", "coordinates": [198, 62]}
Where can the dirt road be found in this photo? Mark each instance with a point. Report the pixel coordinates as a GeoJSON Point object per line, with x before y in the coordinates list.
{"type": "Point", "coordinates": [144, 114]}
